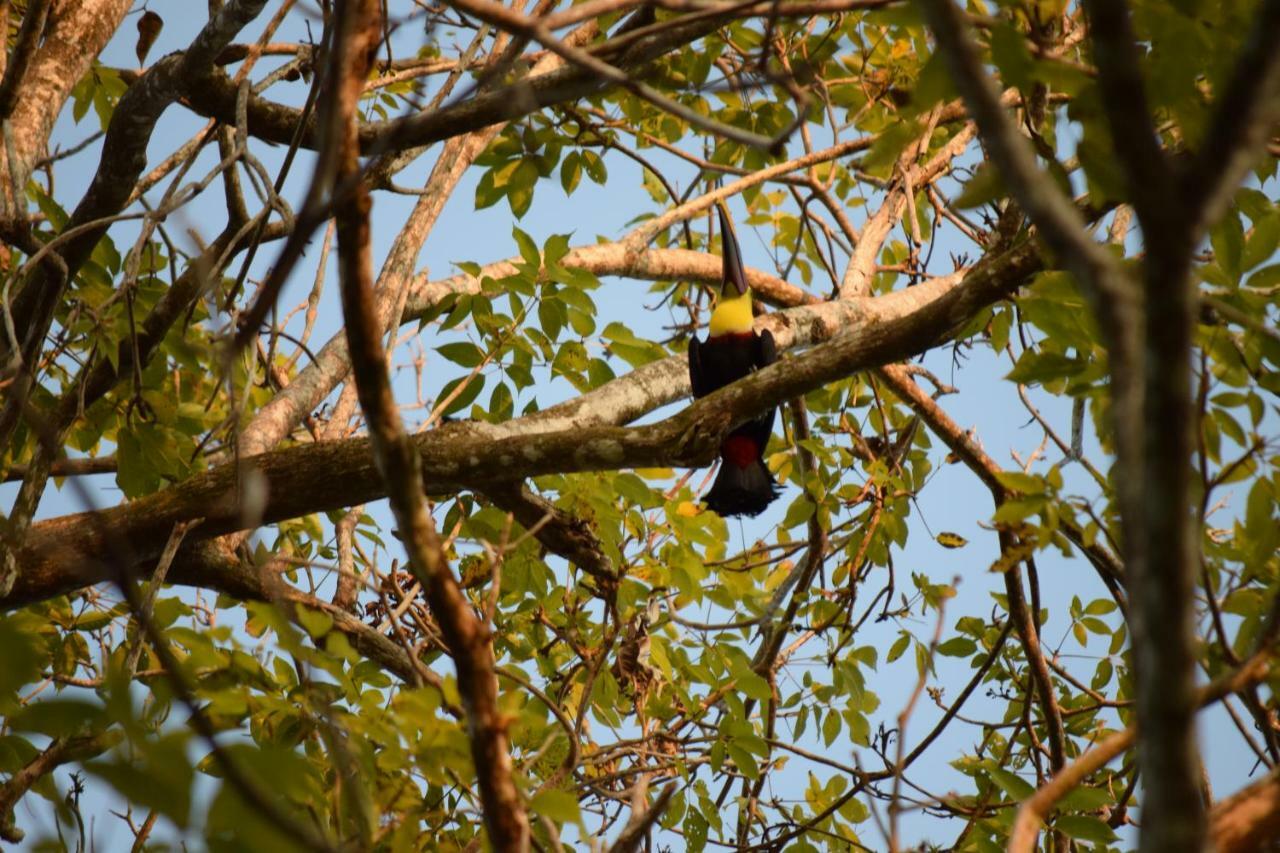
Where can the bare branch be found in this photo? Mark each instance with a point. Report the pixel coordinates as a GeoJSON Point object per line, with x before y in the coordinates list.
{"type": "Point", "coordinates": [642, 818]}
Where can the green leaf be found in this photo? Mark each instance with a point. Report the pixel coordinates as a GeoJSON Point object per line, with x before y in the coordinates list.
{"type": "Point", "coordinates": [23, 658]}
{"type": "Point", "coordinates": [317, 623]}
{"type": "Point", "coordinates": [745, 761]}
{"type": "Point", "coordinates": [571, 172]}
{"type": "Point", "coordinates": [889, 146]}
{"type": "Point", "coordinates": [551, 316]}
{"type": "Point", "coordinates": [754, 686]}
{"type": "Point", "coordinates": [951, 540]}
{"type": "Point", "coordinates": [95, 619]}
{"type": "Point", "coordinates": [830, 728]}
{"type": "Point", "coordinates": [595, 167]}
{"type": "Point", "coordinates": [1261, 244]}
{"type": "Point", "coordinates": [528, 248]}
{"type": "Point", "coordinates": [559, 806]}
{"type": "Point", "coordinates": [161, 781]}
{"type": "Point", "coordinates": [58, 717]}
{"type": "Point", "coordinates": [1106, 180]}
{"type": "Point", "coordinates": [800, 511]}
{"type": "Point", "coordinates": [462, 353]}
{"type": "Point", "coordinates": [466, 397]}
{"type": "Point", "coordinates": [488, 193]}
{"type": "Point", "coordinates": [1086, 799]}
{"type": "Point", "coordinates": [556, 247]}
{"type": "Point", "coordinates": [1040, 366]}
{"type": "Point", "coordinates": [501, 404]}
{"type": "Point", "coordinates": [1010, 54]}
{"type": "Point", "coordinates": [958, 647]}
{"type": "Point", "coordinates": [899, 646]}
{"type": "Point", "coordinates": [1017, 788]}
{"type": "Point", "coordinates": [520, 187]}
{"type": "Point", "coordinates": [1100, 607]}
{"type": "Point", "coordinates": [1017, 481]}
{"type": "Point", "coordinates": [1227, 239]}
{"type": "Point", "coordinates": [1085, 828]}
{"type": "Point", "coordinates": [933, 85]}
{"type": "Point", "coordinates": [984, 187]}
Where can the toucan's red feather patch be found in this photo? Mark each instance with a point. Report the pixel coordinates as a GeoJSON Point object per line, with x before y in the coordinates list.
{"type": "Point", "coordinates": [739, 450]}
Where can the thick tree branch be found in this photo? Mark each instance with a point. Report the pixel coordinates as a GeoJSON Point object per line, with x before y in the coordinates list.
{"type": "Point", "coordinates": [76, 467]}
{"type": "Point", "coordinates": [515, 23]}
{"type": "Point", "coordinates": [652, 264]}
{"type": "Point", "coordinates": [124, 156]}
{"type": "Point", "coordinates": [1249, 819]}
{"type": "Point", "coordinates": [214, 96]}
{"type": "Point", "coordinates": [1147, 333]}
{"type": "Point", "coordinates": [72, 37]}
{"type": "Point", "coordinates": [24, 51]}
{"type": "Point", "coordinates": [65, 553]}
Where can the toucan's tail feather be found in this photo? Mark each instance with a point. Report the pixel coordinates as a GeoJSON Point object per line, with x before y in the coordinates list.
{"type": "Point", "coordinates": [742, 491]}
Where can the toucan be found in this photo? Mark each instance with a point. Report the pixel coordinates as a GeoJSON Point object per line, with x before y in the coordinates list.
{"type": "Point", "coordinates": [733, 349]}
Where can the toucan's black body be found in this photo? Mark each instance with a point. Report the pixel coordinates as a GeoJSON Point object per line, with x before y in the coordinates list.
{"type": "Point", "coordinates": [733, 350]}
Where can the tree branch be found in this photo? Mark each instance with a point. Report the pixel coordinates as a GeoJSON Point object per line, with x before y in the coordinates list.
{"type": "Point", "coordinates": [62, 750]}
{"type": "Point", "coordinates": [24, 50]}
{"type": "Point", "coordinates": [1034, 810]}
{"type": "Point", "coordinates": [1248, 820]}
{"type": "Point", "coordinates": [123, 158]}
{"type": "Point", "coordinates": [561, 533]}
{"type": "Point", "coordinates": [1060, 223]}
{"type": "Point", "coordinates": [356, 42]}
{"type": "Point", "coordinates": [65, 553]}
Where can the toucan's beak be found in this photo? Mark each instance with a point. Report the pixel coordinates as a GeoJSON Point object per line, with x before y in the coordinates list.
{"type": "Point", "coordinates": [735, 274]}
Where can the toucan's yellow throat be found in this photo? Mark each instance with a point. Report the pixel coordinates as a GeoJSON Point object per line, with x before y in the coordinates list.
{"type": "Point", "coordinates": [732, 315]}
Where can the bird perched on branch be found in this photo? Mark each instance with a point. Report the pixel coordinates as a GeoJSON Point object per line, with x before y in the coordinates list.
{"type": "Point", "coordinates": [732, 350]}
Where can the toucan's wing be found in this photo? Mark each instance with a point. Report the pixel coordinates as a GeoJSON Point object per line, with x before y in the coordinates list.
{"type": "Point", "coordinates": [766, 353]}
{"type": "Point", "coordinates": [766, 349]}
{"type": "Point", "coordinates": [696, 377]}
